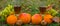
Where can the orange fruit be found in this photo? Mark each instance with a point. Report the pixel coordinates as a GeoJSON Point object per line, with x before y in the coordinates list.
{"type": "Point", "coordinates": [25, 17]}
{"type": "Point", "coordinates": [36, 19]}
{"type": "Point", "coordinates": [11, 19]}
{"type": "Point", "coordinates": [47, 18]}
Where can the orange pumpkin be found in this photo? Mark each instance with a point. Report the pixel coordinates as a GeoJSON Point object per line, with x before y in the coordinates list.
{"type": "Point", "coordinates": [25, 17]}
{"type": "Point", "coordinates": [11, 19]}
{"type": "Point", "coordinates": [36, 19]}
{"type": "Point", "coordinates": [47, 18]}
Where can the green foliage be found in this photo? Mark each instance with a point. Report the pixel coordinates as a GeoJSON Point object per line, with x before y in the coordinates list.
{"type": "Point", "coordinates": [58, 15]}
{"type": "Point", "coordinates": [54, 24]}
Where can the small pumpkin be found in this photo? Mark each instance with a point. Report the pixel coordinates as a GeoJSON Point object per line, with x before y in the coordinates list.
{"type": "Point", "coordinates": [36, 19]}
{"type": "Point", "coordinates": [11, 19]}
{"type": "Point", "coordinates": [25, 17]}
{"type": "Point", "coordinates": [47, 18]}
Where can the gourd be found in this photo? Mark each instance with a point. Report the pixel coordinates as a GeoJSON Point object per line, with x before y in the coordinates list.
{"type": "Point", "coordinates": [25, 17]}
{"type": "Point", "coordinates": [36, 19]}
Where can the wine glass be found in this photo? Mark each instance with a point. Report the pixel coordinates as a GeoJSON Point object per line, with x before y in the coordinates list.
{"type": "Point", "coordinates": [17, 9]}
{"type": "Point", "coordinates": [42, 9]}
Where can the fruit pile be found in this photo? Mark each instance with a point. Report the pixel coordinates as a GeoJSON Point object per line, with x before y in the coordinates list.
{"type": "Point", "coordinates": [25, 18]}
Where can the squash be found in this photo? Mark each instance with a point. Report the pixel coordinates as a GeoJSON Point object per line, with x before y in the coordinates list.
{"type": "Point", "coordinates": [11, 19]}
{"type": "Point", "coordinates": [48, 18]}
{"type": "Point", "coordinates": [25, 17]}
{"type": "Point", "coordinates": [36, 19]}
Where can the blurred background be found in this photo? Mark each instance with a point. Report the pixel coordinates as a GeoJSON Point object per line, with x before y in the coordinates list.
{"type": "Point", "coordinates": [29, 6]}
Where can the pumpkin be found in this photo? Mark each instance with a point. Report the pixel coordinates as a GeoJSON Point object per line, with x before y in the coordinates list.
{"type": "Point", "coordinates": [11, 19]}
{"type": "Point", "coordinates": [47, 18]}
{"type": "Point", "coordinates": [36, 19]}
{"type": "Point", "coordinates": [25, 17]}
